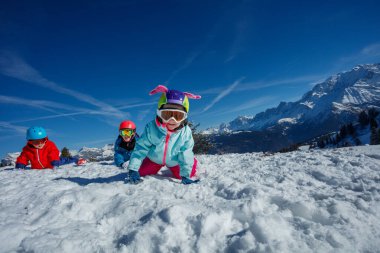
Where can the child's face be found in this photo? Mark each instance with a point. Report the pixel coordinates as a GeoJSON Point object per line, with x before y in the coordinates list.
{"type": "Point", "coordinates": [126, 138]}
{"type": "Point", "coordinates": [38, 144]}
{"type": "Point", "coordinates": [171, 111]}
{"type": "Point", "coordinates": [172, 124]}
{"type": "Point", "coordinates": [127, 134]}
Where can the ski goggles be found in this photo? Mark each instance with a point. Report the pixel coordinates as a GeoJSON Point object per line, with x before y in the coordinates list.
{"type": "Point", "coordinates": [167, 114]}
{"type": "Point", "coordinates": [38, 142]}
{"type": "Point", "coordinates": [127, 132]}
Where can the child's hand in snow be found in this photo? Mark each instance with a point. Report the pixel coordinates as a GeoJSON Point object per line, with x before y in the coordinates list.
{"type": "Point", "coordinates": [186, 180]}
{"type": "Point", "coordinates": [133, 177]}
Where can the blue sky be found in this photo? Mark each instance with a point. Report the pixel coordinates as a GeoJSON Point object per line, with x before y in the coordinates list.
{"type": "Point", "coordinates": [78, 68]}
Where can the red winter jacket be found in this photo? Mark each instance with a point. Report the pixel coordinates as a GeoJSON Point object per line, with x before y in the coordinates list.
{"type": "Point", "coordinates": [39, 158]}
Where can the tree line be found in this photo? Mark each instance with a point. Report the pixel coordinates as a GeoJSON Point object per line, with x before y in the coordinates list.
{"type": "Point", "coordinates": [366, 118]}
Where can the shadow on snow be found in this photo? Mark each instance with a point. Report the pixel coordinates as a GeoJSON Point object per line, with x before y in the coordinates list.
{"type": "Point", "coordinates": [99, 180]}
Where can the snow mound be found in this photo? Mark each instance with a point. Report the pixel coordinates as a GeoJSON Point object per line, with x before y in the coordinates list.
{"type": "Point", "coordinates": [303, 201]}
{"type": "Point", "coordinates": [9, 159]}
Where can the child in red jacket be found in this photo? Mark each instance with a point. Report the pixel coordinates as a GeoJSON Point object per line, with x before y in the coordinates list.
{"type": "Point", "coordinates": [41, 152]}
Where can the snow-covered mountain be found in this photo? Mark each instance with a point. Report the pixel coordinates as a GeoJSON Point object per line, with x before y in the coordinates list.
{"type": "Point", "coordinates": [302, 201]}
{"type": "Point", "coordinates": [96, 154]}
{"type": "Point", "coordinates": [334, 101]}
{"type": "Point", "coordinates": [328, 106]}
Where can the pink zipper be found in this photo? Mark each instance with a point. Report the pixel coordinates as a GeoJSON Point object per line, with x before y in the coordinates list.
{"type": "Point", "coordinates": [166, 147]}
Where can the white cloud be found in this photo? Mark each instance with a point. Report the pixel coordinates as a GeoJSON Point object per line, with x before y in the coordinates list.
{"type": "Point", "coordinates": [47, 105]}
{"type": "Point", "coordinates": [13, 66]}
{"type": "Point", "coordinates": [9, 126]}
{"type": "Point", "coordinates": [94, 142]}
{"type": "Point", "coordinates": [136, 105]}
{"type": "Point", "coordinates": [257, 85]}
{"type": "Point", "coordinates": [142, 114]}
{"type": "Point", "coordinates": [192, 57]}
{"type": "Point", "coordinates": [87, 112]}
{"type": "Point", "coordinates": [368, 54]}
{"type": "Point", "coordinates": [189, 60]}
{"type": "Point", "coordinates": [224, 93]}
{"type": "Point", "coordinates": [236, 48]}
{"type": "Point", "coordinates": [252, 104]}
{"type": "Point", "coordinates": [371, 50]}
{"type": "Point", "coordinates": [41, 104]}
{"type": "Point", "coordinates": [271, 83]}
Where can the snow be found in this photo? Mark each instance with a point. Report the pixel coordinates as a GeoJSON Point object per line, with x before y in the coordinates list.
{"type": "Point", "coordinates": [319, 94]}
{"type": "Point", "coordinates": [9, 159]}
{"type": "Point", "coordinates": [302, 201]}
{"type": "Point", "coordinates": [304, 147]}
{"type": "Point", "coordinates": [287, 120]}
{"type": "Point", "coordinates": [210, 131]}
{"type": "Point", "coordinates": [308, 104]}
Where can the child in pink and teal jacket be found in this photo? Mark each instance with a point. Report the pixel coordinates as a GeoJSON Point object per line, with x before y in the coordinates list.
{"type": "Point", "coordinates": [166, 141]}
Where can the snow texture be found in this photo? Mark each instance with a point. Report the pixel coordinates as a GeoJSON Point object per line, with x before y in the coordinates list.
{"type": "Point", "coordinates": [303, 201]}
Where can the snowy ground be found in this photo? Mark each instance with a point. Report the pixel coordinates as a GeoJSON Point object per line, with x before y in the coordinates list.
{"type": "Point", "coordinates": [305, 201]}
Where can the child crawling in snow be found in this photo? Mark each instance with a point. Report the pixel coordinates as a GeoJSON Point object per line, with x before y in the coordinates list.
{"type": "Point", "coordinates": [166, 141]}
{"type": "Point", "coordinates": [41, 152]}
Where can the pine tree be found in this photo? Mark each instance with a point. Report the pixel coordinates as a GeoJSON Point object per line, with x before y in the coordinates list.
{"type": "Point", "coordinates": [322, 142]}
{"type": "Point", "coordinates": [202, 143]}
{"type": "Point", "coordinates": [374, 138]}
{"type": "Point", "coordinates": [372, 113]}
{"type": "Point", "coordinates": [363, 119]}
{"type": "Point", "coordinates": [338, 139]}
{"type": "Point", "coordinates": [343, 131]}
{"type": "Point", "coordinates": [350, 129]}
{"type": "Point", "coordinates": [373, 123]}
{"type": "Point", "coordinates": [65, 152]}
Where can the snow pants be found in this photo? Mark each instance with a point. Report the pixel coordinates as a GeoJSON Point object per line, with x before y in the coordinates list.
{"type": "Point", "coordinates": [151, 168]}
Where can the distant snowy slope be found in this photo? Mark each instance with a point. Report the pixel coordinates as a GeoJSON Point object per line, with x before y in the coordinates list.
{"type": "Point", "coordinates": [339, 97]}
{"type": "Point", "coordinates": [304, 201]}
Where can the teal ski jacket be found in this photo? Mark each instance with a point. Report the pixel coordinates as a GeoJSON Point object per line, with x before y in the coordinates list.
{"type": "Point", "coordinates": [164, 147]}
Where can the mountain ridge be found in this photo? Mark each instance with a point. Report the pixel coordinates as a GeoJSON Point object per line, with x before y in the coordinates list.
{"type": "Point", "coordinates": [328, 105]}
{"type": "Point", "coordinates": [346, 91]}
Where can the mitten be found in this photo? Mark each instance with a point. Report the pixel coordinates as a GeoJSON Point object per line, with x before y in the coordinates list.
{"type": "Point", "coordinates": [186, 180]}
{"type": "Point", "coordinates": [20, 166]}
{"type": "Point", "coordinates": [133, 177]}
{"type": "Point", "coordinates": [55, 163]}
